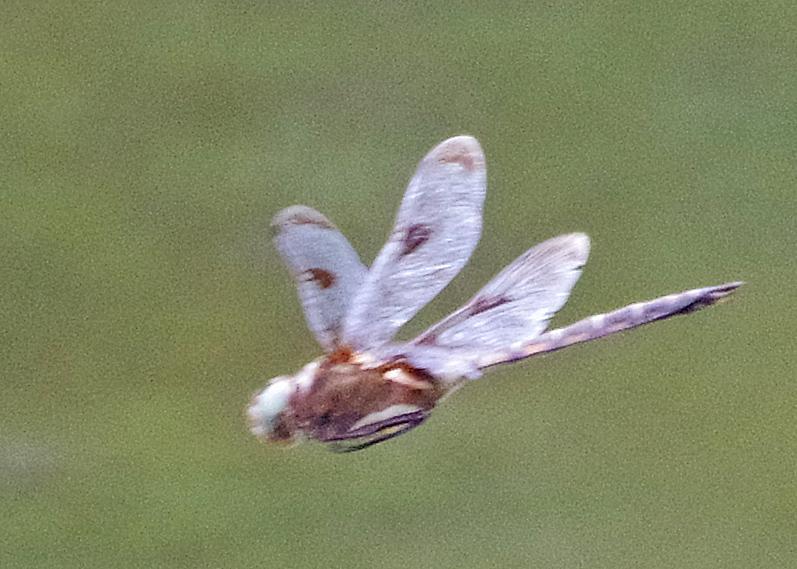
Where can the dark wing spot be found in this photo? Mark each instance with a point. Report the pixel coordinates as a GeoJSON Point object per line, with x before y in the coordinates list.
{"type": "Point", "coordinates": [415, 236]}
{"type": "Point", "coordinates": [485, 304]}
{"type": "Point", "coordinates": [324, 278]}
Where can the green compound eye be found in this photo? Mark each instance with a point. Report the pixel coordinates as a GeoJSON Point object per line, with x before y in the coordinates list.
{"type": "Point", "coordinates": [267, 406]}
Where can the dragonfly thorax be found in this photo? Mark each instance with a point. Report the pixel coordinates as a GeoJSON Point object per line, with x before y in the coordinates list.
{"type": "Point", "coordinates": [341, 399]}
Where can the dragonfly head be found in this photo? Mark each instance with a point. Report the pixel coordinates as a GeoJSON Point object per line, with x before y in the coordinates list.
{"type": "Point", "coordinates": [267, 408]}
{"type": "Point", "coordinates": [270, 411]}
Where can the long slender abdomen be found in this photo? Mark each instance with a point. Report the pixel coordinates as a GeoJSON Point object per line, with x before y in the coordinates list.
{"type": "Point", "coordinates": [619, 320]}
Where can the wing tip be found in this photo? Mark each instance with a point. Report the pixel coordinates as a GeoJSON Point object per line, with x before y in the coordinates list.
{"type": "Point", "coordinates": [576, 245]}
{"type": "Point", "coordinates": [464, 150]}
{"type": "Point", "coordinates": [581, 244]}
{"type": "Point", "coordinates": [300, 215]}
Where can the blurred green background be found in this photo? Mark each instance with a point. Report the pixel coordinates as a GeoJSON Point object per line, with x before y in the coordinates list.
{"type": "Point", "coordinates": [144, 150]}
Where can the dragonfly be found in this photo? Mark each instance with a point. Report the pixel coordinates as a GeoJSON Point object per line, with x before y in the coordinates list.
{"type": "Point", "coordinates": [367, 387]}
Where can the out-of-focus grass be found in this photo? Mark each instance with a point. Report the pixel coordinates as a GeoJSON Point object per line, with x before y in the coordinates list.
{"type": "Point", "coordinates": [145, 148]}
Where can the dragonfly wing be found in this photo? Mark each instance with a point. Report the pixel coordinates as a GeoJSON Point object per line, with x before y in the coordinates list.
{"type": "Point", "coordinates": [437, 228]}
{"type": "Point", "coordinates": [443, 364]}
{"type": "Point", "coordinates": [326, 268]}
{"type": "Point", "coordinates": [617, 321]}
{"type": "Point", "coordinates": [518, 303]}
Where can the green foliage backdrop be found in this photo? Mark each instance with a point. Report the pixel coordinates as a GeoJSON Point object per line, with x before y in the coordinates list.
{"type": "Point", "coordinates": [145, 147]}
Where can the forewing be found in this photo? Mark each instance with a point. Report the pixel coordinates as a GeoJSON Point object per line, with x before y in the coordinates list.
{"type": "Point", "coordinates": [436, 230]}
{"type": "Point", "coordinates": [324, 265]}
{"type": "Point", "coordinates": [518, 303]}
{"type": "Point", "coordinates": [619, 320]}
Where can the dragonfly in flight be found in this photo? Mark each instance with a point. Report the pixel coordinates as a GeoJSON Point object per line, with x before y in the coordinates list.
{"type": "Point", "coordinates": [367, 388]}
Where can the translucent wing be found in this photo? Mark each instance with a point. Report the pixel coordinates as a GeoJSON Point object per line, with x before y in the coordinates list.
{"type": "Point", "coordinates": [436, 230]}
{"type": "Point", "coordinates": [324, 265]}
{"type": "Point", "coordinates": [518, 303]}
{"type": "Point", "coordinates": [605, 324]}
